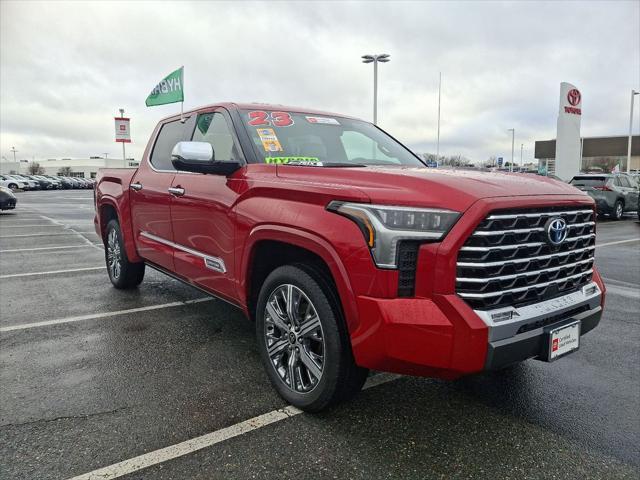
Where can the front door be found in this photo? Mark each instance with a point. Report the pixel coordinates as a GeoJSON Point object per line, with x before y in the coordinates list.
{"type": "Point", "coordinates": [201, 212]}
{"type": "Point", "coordinates": [150, 198]}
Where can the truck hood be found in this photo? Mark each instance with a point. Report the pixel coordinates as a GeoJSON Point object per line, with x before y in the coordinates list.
{"type": "Point", "coordinates": [449, 189]}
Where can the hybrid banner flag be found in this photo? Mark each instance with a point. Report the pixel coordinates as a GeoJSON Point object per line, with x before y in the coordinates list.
{"type": "Point", "coordinates": [123, 134]}
{"type": "Point", "coordinates": [568, 160]}
{"type": "Point", "coordinates": [169, 90]}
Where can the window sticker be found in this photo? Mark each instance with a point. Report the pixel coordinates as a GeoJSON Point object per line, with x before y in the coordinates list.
{"type": "Point", "coordinates": [269, 140]}
{"type": "Point", "coordinates": [323, 120]}
{"type": "Point", "coordinates": [295, 160]}
{"type": "Point", "coordinates": [259, 118]}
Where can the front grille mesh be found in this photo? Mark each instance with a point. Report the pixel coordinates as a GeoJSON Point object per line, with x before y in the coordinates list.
{"type": "Point", "coordinates": [508, 261]}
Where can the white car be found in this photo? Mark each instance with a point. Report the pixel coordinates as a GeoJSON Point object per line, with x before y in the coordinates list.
{"type": "Point", "coordinates": [31, 184]}
{"type": "Point", "coordinates": [12, 183]}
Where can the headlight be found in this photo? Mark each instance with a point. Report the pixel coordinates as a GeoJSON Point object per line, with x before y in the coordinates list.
{"type": "Point", "coordinates": [384, 226]}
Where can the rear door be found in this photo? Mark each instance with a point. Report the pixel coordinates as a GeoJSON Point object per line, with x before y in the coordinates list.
{"type": "Point", "coordinates": [201, 211]}
{"type": "Point", "coordinates": [150, 198]}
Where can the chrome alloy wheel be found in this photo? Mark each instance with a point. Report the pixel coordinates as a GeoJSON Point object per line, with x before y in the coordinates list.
{"type": "Point", "coordinates": [294, 338]}
{"type": "Point", "coordinates": [113, 254]}
{"type": "Point", "coordinates": [619, 210]}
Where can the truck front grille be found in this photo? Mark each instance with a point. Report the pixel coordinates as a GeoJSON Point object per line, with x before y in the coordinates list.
{"type": "Point", "coordinates": [509, 261]}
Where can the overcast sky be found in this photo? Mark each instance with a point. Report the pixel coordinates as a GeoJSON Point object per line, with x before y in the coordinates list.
{"type": "Point", "coordinates": [66, 68]}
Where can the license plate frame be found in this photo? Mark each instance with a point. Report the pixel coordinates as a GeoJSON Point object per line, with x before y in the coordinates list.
{"type": "Point", "coordinates": [567, 339]}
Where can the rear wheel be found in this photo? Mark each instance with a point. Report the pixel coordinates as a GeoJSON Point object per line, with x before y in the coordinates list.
{"type": "Point", "coordinates": [13, 186]}
{"type": "Point", "coordinates": [303, 342]}
{"type": "Point", "coordinates": [618, 210]}
{"type": "Point", "coordinates": [122, 273]}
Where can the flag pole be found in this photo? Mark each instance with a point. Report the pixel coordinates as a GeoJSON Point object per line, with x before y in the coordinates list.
{"type": "Point", "coordinates": [124, 156]}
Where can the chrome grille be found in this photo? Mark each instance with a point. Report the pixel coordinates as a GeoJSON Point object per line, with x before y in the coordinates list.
{"type": "Point", "coordinates": [507, 260]}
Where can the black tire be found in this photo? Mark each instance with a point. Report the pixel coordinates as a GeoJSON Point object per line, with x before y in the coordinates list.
{"type": "Point", "coordinates": [122, 273]}
{"type": "Point", "coordinates": [340, 377]}
{"type": "Point", "coordinates": [13, 186]}
{"type": "Point", "coordinates": [618, 210]}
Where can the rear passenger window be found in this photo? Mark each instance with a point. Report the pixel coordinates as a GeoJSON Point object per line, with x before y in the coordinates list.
{"type": "Point", "coordinates": [170, 134]}
{"type": "Point", "coordinates": [625, 182]}
{"type": "Point", "coordinates": [617, 182]}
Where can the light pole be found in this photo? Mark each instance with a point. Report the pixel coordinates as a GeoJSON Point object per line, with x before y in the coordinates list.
{"type": "Point", "coordinates": [439, 96]}
{"type": "Point", "coordinates": [513, 137]}
{"type": "Point", "coordinates": [384, 58]}
{"type": "Point", "coordinates": [633, 94]}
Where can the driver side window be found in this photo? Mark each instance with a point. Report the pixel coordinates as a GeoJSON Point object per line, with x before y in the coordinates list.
{"type": "Point", "coordinates": [213, 128]}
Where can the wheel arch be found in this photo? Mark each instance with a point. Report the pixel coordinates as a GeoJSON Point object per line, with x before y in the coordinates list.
{"type": "Point", "coordinates": [269, 247]}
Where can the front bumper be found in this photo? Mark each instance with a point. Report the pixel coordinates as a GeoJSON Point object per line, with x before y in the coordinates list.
{"type": "Point", "coordinates": [443, 337]}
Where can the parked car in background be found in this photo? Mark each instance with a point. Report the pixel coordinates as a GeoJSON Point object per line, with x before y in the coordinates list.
{"type": "Point", "coordinates": [44, 184]}
{"type": "Point", "coordinates": [55, 183]}
{"type": "Point", "coordinates": [614, 193]}
{"type": "Point", "coordinates": [10, 182]}
{"type": "Point", "coordinates": [7, 199]}
{"type": "Point", "coordinates": [64, 183]}
{"type": "Point", "coordinates": [30, 184]}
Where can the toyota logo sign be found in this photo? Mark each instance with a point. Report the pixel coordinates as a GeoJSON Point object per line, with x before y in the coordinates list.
{"type": "Point", "coordinates": [557, 231]}
{"type": "Point", "coordinates": [573, 97]}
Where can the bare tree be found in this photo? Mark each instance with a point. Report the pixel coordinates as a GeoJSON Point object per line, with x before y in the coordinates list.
{"type": "Point", "coordinates": [35, 168]}
{"type": "Point", "coordinates": [65, 172]}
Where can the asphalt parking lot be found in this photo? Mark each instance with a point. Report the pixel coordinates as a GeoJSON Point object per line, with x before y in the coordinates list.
{"type": "Point", "coordinates": [92, 377]}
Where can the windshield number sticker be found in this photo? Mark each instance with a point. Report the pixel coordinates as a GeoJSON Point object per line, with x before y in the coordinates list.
{"type": "Point", "coordinates": [259, 118]}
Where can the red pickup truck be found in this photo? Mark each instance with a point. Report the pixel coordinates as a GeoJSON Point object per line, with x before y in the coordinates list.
{"type": "Point", "coordinates": [348, 253]}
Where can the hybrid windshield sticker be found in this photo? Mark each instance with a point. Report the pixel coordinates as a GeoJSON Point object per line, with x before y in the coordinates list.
{"type": "Point", "coordinates": [323, 120]}
{"type": "Point", "coordinates": [293, 160]}
{"type": "Point", "coordinates": [269, 140]}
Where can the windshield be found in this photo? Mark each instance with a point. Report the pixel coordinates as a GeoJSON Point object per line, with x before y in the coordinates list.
{"type": "Point", "coordinates": [323, 140]}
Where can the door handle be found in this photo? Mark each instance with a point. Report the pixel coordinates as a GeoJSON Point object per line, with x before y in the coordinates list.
{"type": "Point", "coordinates": [136, 186]}
{"type": "Point", "coordinates": [177, 191]}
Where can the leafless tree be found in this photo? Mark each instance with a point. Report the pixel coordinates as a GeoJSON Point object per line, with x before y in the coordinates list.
{"type": "Point", "coordinates": [35, 168]}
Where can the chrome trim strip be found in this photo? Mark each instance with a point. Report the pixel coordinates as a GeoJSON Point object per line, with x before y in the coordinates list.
{"type": "Point", "coordinates": [539, 214]}
{"type": "Point", "coordinates": [521, 260]}
{"type": "Point", "coordinates": [534, 244]}
{"type": "Point", "coordinates": [523, 289]}
{"type": "Point", "coordinates": [523, 274]}
{"type": "Point", "coordinates": [499, 329]}
{"type": "Point", "coordinates": [212, 263]}
{"type": "Point", "coordinates": [483, 233]}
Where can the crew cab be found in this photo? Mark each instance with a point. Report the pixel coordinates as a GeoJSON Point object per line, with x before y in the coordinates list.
{"type": "Point", "coordinates": [348, 253]}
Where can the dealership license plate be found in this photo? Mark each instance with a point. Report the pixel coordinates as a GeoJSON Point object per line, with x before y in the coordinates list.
{"type": "Point", "coordinates": [564, 340]}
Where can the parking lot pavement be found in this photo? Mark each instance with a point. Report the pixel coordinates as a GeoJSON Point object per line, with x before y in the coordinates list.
{"type": "Point", "coordinates": [114, 375]}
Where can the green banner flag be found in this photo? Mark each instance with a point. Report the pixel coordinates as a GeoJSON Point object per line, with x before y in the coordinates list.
{"type": "Point", "coordinates": [169, 90]}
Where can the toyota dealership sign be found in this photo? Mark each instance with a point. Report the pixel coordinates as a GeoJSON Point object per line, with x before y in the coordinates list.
{"type": "Point", "coordinates": [568, 160]}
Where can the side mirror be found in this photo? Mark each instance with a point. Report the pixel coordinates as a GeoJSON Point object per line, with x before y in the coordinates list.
{"type": "Point", "coordinates": [198, 157]}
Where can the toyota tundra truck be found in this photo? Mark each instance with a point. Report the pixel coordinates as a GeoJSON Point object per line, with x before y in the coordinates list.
{"type": "Point", "coordinates": [348, 253]}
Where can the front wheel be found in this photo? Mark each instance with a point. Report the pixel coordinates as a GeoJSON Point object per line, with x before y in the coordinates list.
{"type": "Point", "coordinates": [618, 210]}
{"type": "Point", "coordinates": [122, 273]}
{"type": "Point", "coordinates": [303, 342]}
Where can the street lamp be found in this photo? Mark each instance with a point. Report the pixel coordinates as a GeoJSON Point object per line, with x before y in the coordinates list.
{"type": "Point", "coordinates": [513, 136]}
{"type": "Point", "coordinates": [633, 94]}
{"type": "Point", "coordinates": [384, 58]}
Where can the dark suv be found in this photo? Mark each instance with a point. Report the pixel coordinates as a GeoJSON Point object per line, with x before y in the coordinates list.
{"type": "Point", "coordinates": [614, 193]}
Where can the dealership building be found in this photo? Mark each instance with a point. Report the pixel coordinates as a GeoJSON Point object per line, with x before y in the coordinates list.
{"type": "Point", "coordinates": [598, 154]}
{"type": "Point", "coordinates": [79, 167]}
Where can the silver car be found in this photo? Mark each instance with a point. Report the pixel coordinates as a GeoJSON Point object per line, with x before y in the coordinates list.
{"type": "Point", "coordinates": [614, 193]}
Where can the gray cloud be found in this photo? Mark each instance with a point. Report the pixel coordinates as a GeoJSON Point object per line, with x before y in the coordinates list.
{"type": "Point", "coordinates": [67, 67]}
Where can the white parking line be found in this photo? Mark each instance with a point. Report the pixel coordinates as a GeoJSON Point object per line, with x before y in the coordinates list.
{"type": "Point", "coordinates": [52, 272]}
{"type": "Point", "coordinates": [623, 291]}
{"type": "Point", "coordinates": [27, 226]}
{"type": "Point", "coordinates": [38, 235]}
{"type": "Point", "coordinates": [36, 249]}
{"type": "Point", "coordinates": [198, 443]}
{"type": "Point", "coordinates": [618, 242]}
{"type": "Point", "coordinates": [94, 316]}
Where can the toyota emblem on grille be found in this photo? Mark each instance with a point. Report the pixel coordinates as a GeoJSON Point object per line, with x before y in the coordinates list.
{"type": "Point", "coordinates": [557, 230]}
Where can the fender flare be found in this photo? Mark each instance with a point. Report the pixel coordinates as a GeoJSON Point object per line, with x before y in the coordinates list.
{"type": "Point", "coordinates": [124, 218]}
{"type": "Point", "coordinates": [308, 241]}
